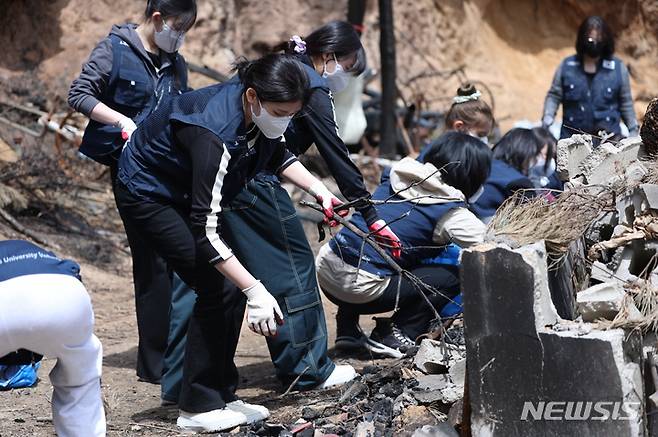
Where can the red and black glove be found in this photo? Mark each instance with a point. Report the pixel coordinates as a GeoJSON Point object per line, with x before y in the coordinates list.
{"type": "Point", "coordinates": [386, 238]}
{"type": "Point", "coordinates": [328, 201]}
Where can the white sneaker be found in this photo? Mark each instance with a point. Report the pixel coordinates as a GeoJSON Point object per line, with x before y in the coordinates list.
{"type": "Point", "coordinates": [342, 373]}
{"type": "Point", "coordinates": [253, 412]}
{"type": "Point", "coordinates": [210, 421]}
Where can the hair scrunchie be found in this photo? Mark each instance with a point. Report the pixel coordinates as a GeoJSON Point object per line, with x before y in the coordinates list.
{"type": "Point", "coordinates": [300, 44]}
{"type": "Point", "coordinates": [462, 99]}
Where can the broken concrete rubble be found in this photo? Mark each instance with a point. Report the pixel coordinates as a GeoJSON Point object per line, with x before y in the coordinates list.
{"type": "Point", "coordinates": [527, 367]}
{"type": "Point", "coordinates": [601, 301]}
{"type": "Point", "coordinates": [570, 153]}
{"type": "Point", "coordinates": [437, 357]}
{"type": "Point", "coordinates": [609, 162]}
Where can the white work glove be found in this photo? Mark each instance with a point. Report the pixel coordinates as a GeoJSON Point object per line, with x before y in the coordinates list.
{"type": "Point", "coordinates": [547, 121]}
{"type": "Point", "coordinates": [328, 201]}
{"type": "Point", "coordinates": [263, 312]}
{"type": "Point", "coordinates": [127, 126]}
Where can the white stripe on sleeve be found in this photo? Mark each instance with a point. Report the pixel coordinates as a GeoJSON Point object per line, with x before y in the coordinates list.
{"type": "Point", "coordinates": [215, 208]}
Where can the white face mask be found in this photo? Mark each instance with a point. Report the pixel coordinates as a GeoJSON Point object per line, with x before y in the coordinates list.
{"type": "Point", "coordinates": [272, 127]}
{"type": "Point", "coordinates": [338, 79]}
{"type": "Point", "coordinates": [474, 198]}
{"type": "Point", "coordinates": [168, 39]}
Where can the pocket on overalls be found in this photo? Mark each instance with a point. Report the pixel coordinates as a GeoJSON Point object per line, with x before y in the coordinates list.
{"type": "Point", "coordinates": [242, 201]}
{"type": "Point", "coordinates": [304, 316]}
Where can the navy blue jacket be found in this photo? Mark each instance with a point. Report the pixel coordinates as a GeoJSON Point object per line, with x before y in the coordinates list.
{"type": "Point", "coordinates": [503, 181]}
{"type": "Point", "coordinates": [593, 103]}
{"type": "Point", "coordinates": [415, 231]}
{"type": "Point", "coordinates": [202, 173]}
{"type": "Point", "coordinates": [122, 75]}
{"type": "Point", "coordinates": [20, 258]}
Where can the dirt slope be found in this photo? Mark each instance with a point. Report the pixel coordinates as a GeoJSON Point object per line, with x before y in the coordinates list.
{"type": "Point", "coordinates": [513, 46]}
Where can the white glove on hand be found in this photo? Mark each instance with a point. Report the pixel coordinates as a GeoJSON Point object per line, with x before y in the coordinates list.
{"type": "Point", "coordinates": [263, 312]}
{"type": "Point", "coordinates": [127, 126]}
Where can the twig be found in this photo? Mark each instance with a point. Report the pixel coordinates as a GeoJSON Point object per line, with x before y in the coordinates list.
{"type": "Point", "coordinates": [23, 230]}
{"type": "Point", "coordinates": [146, 425]}
{"type": "Point", "coordinates": [292, 384]}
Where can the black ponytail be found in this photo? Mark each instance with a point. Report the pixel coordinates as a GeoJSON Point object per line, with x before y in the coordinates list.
{"type": "Point", "coordinates": [275, 78]}
{"type": "Point", "coordinates": [184, 11]}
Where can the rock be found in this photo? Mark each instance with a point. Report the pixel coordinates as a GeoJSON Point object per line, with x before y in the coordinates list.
{"type": "Point", "coordinates": [570, 153]}
{"type": "Point", "coordinates": [646, 197]}
{"type": "Point", "coordinates": [391, 389]}
{"type": "Point", "coordinates": [521, 371]}
{"type": "Point", "coordinates": [601, 301]}
{"type": "Point", "coordinates": [635, 172]}
{"type": "Point", "coordinates": [569, 275]}
{"type": "Point", "coordinates": [356, 388]}
{"type": "Point", "coordinates": [458, 373]}
{"type": "Point", "coordinates": [440, 430]}
{"type": "Point", "coordinates": [455, 415]}
{"type": "Point", "coordinates": [414, 417]}
{"type": "Point", "coordinates": [608, 162]}
{"type": "Point", "coordinates": [435, 357]}
{"type": "Point", "coordinates": [623, 260]}
{"type": "Point", "coordinates": [437, 388]}
{"type": "Point", "coordinates": [601, 273]}
{"type": "Point", "coordinates": [303, 430]}
{"type": "Point", "coordinates": [7, 153]}
{"type": "Point", "coordinates": [310, 413]}
{"type": "Point", "coordinates": [365, 429]}
{"type": "Point", "coordinates": [602, 227]}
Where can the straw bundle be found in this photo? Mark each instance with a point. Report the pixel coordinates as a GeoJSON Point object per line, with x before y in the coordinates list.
{"type": "Point", "coordinates": [525, 221]}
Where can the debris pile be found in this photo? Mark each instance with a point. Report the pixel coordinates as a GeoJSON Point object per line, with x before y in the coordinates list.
{"type": "Point", "coordinates": [419, 396]}
{"type": "Point", "coordinates": [561, 303]}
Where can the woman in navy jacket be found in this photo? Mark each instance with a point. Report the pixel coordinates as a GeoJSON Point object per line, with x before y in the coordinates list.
{"type": "Point", "coordinates": [593, 86]}
{"type": "Point", "coordinates": [432, 197]}
{"type": "Point", "coordinates": [264, 223]}
{"type": "Point", "coordinates": [517, 153]}
{"type": "Point", "coordinates": [183, 164]}
{"type": "Point", "coordinates": [126, 77]}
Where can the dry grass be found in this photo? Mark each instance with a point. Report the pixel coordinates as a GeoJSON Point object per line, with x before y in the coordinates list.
{"type": "Point", "coordinates": [560, 222]}
{"type": "Point", "coordinates": [640, 297]}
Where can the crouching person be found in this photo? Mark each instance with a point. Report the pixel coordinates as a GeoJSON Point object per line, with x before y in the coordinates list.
{"type": "Point", "coordinates": [45, 309]}
{"type": "Point", "coordinates": [427, 209]}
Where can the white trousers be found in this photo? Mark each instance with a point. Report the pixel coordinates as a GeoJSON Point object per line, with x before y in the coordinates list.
{"type": "Point", "coordinates": [51, 314]}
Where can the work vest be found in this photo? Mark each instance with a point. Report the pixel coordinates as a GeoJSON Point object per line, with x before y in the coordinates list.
{"type": "Point", "coordinates": [134, 89]}
{"type": "Point", "coordinates": [594, 106]}
{"type": "Point", "coordinates": [415, 231]}
{"type": "Point", "coordinates": [496, 189]}
{"type": "Point", "coordinates": [20, 258]}
{"type": "Point", "coordinates": [153, 167]}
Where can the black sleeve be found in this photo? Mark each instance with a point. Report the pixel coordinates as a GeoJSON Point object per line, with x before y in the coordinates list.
{"type": "Point", "coordinates": [87, 88]}
{"type": "Point", "coordinates": [281, 159]}
{"type": "Point", "coordinates": [210, 160]}
{"type": "Point", "coordinates": [321, 122]}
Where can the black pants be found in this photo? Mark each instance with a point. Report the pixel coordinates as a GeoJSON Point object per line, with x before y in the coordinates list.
{"type": "Point", "coordinates": [153, 283]}
{"type": "Point", "coordinates": [210, 376]}
{"type": "Point", "coordinates": [414, 314]}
